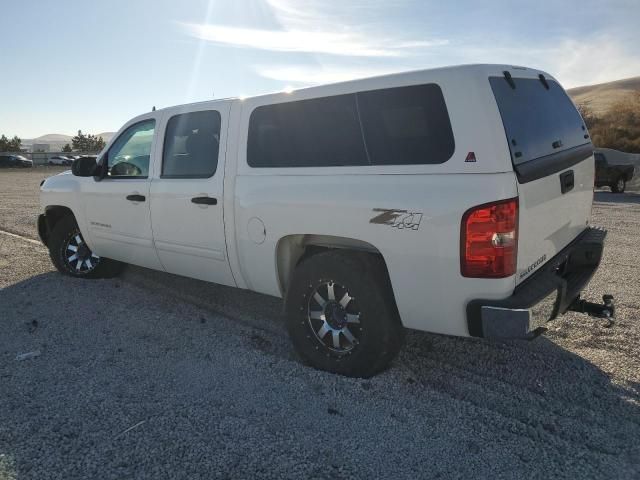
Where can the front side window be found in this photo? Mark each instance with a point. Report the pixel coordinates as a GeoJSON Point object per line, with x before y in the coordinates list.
{"type": "Point", "coordinates": [191, 145]}
{"type": "Point", "coordinates": [129, 155]}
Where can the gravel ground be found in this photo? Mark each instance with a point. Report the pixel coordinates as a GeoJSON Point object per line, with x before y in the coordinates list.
{"type": "Point", "coordinates": [20, 191]}
{"type": "Point", "coordinates": [155, 376]}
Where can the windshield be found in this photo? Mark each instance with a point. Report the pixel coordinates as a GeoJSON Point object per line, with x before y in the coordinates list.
{"type": "Point", "coordinates": [537, 121]}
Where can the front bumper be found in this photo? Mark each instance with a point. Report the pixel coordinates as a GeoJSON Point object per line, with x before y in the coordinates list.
{"type": "Point", "coordinates": [546, 294]}
{"type": "Point", "coordinates": [43, 229]}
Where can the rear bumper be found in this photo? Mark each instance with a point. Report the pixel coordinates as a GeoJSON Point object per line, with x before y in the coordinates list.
{"type": "Point", "coordinates": [542, 297]}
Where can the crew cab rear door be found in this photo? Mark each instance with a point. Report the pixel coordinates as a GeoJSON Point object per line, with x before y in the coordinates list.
{"type": "Point", "coordinates": [552, 157]}
{"type": "Point", "coordinates": [187, 215]}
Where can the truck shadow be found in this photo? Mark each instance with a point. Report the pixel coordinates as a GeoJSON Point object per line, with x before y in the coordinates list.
{"type": "Point", "coordinates": [608, 197]}
{"type": "Point", "coordinates": [544, 395]}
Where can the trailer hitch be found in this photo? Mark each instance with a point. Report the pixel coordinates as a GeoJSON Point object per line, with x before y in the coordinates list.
{"type": "Point", "coordinates": [606, 310]}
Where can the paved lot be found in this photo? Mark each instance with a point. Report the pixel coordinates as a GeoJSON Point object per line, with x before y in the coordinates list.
{"type": "Point", "coordinates": [155, 376]}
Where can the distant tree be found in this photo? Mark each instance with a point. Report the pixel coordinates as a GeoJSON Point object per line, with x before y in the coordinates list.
{"type": "Point", "coordinates": [87, 143]}
{"type": "Point", "coordinates": [98, 143]}
{"type": "Point", "coordinates": [79, 142]}
{"type": "Point", "coordinates": [13, 145]}
{"type": "Point", "coordinates": [67, 148]}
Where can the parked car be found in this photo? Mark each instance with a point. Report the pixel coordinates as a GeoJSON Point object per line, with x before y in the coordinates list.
{"type": "Point", "coordinates": [612, 175]}
{"type": "Point", "coordinates": [455, 201]}
{"type": "Point", "coordinates": [60, 160]}
{"type": "Point", "coordinates": [15, 161]}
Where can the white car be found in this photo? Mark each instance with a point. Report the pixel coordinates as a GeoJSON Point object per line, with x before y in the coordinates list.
{"type": "Point", "coordinates": [455, 201]}
{"type": "Point", "coordinates": [60, 160]}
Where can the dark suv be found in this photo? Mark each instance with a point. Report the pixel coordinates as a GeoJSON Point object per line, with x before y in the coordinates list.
{"type": "Point", "coordinates": [611, 175]}
{"type": "Point", "coordinates": [15, 161]}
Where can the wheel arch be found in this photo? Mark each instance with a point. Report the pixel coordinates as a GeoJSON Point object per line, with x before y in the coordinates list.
{"type": "Point", "coordinates": [52, 215]}
{"type": "Point", "coordinates": [292, 249]}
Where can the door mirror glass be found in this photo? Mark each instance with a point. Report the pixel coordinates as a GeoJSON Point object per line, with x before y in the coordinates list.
{"type": "Point", "coordinates": [84, 167]}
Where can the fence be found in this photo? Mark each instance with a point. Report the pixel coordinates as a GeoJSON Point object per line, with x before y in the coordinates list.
{"type": "Point", "coordinates": [44, 158]}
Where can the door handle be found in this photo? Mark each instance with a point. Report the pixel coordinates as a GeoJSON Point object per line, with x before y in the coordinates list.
{"type": "Point", "coordinates": [204, 200]}
{"type": "Point", "coordinates": [136, 198]}
{"type": "Point", "coordinates": [567, 181]}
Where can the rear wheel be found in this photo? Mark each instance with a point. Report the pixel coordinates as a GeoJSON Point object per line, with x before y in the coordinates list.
{"type": "Point", "coordinates": [619, 185]}
{"type": "Point", "coordinates": [341, 314]}
{"type": "Point", "coordinates": [72, 256]}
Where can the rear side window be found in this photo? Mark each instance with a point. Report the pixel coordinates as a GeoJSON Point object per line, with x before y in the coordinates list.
{"type": "Point", "coordinates": [538, 122]}
{"type": "Point", "coordinates": [395, 126]}
{"type": "Point", "coordinates": [191, 145]}
{"type": "Point", "coordinates": [406, 126]}
{"type": "Point", "coordinates": [308, 133]}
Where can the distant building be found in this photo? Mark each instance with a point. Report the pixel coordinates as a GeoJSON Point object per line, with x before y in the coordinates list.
{"type": "Point", "coordinates": [40, 153]}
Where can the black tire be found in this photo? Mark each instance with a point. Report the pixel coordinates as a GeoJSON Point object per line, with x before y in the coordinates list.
{"type": "Point", "coordinates": [63, 239]}
{"type": "Point", "coordinates": [370, 311]}
{"type": "Point", "coordinates": [619, 185]}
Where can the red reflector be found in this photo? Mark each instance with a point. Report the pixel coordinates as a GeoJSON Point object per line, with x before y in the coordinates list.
{"type": "Point", "coordinates": [489, 240]}
{"type": "Point", "coordinates": [471, 157]}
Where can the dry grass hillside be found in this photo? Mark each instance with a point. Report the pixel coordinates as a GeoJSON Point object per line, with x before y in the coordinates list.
{"type": "Point", "coordinates": [612, 113]}
{"type": "Point", "coordinates": [602, 97]}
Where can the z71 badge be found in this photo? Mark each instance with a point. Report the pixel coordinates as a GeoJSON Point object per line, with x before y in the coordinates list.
{"type": "Point", "coordinates": [400, 219]}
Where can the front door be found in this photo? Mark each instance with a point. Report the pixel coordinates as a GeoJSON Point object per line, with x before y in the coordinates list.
{"type": "Point", "coordinates": [187, 194]}
{"type": "Point", "coordinates": [117, 206]}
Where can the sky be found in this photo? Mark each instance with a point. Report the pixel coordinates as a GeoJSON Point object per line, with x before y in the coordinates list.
{"type": "Point", "coordinates": [92, 65]}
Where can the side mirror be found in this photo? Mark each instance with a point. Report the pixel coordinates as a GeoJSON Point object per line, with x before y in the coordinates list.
{"type": "Point", "coordinates": [84, 167]}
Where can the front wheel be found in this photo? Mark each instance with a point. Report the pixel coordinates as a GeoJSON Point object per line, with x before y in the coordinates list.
{"type": "Point", "coordinates": [619, 186]}
{"type": "Point", "coordinates": [72, 256]}
{"type": "Point", "coordinates": [341, 314]}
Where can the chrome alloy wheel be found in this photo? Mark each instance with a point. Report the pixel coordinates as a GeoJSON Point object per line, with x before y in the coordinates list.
{"type": "Point", "coordinates": [620, 184]}
{"type": "Point", "coordinates": [334, 317]}
{"type": "Point", "coordinates": [78, 256]}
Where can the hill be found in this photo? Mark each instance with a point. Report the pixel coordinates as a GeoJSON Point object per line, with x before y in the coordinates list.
{"type": "Point", "coordinates": [602, 97]}
{"type": "Point", "coordinates": [52, 138]}
{"type": "Point", "coordinates": [611, 112]}
{"type": "Point", "coordinates": [106, 136]}
{"type": "Point", "coordinates": [58, 140]}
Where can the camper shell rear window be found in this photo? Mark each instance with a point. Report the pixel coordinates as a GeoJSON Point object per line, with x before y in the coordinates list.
{"type": "Point", "coordinates": [540, 122]}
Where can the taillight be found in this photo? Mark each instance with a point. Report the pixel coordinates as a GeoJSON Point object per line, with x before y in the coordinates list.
{"type": "Point", "coordinates": [489, 240]}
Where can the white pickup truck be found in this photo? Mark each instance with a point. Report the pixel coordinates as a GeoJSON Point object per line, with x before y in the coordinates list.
{"type": "Point", "coordinates": [454, 200]}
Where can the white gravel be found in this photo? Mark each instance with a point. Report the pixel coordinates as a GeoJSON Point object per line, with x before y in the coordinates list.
{"type": "Point", "coordinates": [205, 376]}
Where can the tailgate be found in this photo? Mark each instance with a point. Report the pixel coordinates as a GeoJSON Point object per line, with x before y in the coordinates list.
{"type": "Point", "coordinates": [549, 219]}
{"type": "Point", "coordinates": [552, 157]}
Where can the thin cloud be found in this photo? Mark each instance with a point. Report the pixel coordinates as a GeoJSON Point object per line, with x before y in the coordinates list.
{"type": "Point", "coordinates": [315, 75]}
{"type": "Point", "coordinates": [597, 59]}
{"type": "Point", "coordinates": [332, 43]}
{"type": "Point", "coordinates": [318, 27]}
